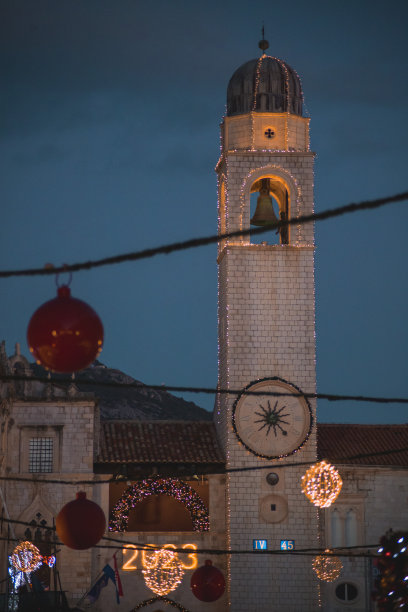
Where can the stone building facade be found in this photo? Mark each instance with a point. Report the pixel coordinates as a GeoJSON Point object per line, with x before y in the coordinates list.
{"type": "Point", "coordinates": [232, 484]}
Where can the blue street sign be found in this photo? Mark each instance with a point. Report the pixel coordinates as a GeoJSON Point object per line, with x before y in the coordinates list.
{"type": "Point", "coordinates": [260, 544]}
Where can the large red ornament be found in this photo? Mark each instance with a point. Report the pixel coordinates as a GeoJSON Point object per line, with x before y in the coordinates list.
{"type": "Point", "coordinates": [207, 582]}
{"type": "Point", "coordinates": [81, 523]}
{"type": "Point", "coordinates": [65, 334]}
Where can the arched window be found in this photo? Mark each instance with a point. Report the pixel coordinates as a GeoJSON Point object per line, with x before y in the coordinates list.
{"type": "Point", "coordinates": [269, 204]}
{"type": "Point", "coordinates": [350, 528]}
{"type": "Point", "coordinates": [336, 535]}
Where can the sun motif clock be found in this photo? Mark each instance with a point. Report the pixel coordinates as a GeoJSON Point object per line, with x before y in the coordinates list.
{"type": "Point", "coordinates": [272, 426]}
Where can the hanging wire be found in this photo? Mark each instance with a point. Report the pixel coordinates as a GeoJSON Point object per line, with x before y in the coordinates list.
{"type": "Point", "coordinates": [199, 242]}
{"type": "Point", "coordinates": [332, 397]}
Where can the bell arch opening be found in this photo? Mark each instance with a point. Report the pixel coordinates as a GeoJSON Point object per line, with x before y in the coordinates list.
{"type": "Point", "coordinates": [269, 204]}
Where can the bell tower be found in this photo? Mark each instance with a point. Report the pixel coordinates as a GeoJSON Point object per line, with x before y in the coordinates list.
{"type": "Point", "coordinates": [267, 337]}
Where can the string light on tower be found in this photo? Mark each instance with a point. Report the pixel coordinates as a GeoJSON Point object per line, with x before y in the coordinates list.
{"type": "Point", "coordinates": [327, 567]}
{"type": "Point", "coordinates": [322, 484]}
{"type": "Point", "coordinates": [163, 571]}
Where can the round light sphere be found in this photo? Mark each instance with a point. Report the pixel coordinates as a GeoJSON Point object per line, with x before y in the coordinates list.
{"type": "Point", "coordinates": [163, 572]}
{"type": "Point", "coordinates": [327, 567]}
{"type": "Point", "coordinates": [26, 557]}
{"type": "Point", "coordinates": [208, 582]}
{"type": "Point", "coordinates": [322, 484]}
{"type": "Point", "coordinates": [65, 334]}
{"type": "Point", "coordinates": [81, 523]}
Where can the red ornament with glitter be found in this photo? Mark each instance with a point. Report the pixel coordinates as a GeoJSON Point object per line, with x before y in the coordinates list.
{"type": "Point", "coordinates": [81, 523]}
{"type": "Point", "coordinates": [207, 582]}
{"type": "Point", "coordinates": [65, 334]}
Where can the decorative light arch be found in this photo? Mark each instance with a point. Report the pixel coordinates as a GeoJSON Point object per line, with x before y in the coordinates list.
{"type": "Point", "coordinates": [172, 487]}
{"type": "Point", "coordinates": [165, 600]}
{"type": "Point", "coordinates": [272, 170]}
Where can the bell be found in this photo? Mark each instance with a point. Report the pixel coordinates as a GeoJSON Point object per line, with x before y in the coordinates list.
{"type": "Point", "coordinates": [264, 213]}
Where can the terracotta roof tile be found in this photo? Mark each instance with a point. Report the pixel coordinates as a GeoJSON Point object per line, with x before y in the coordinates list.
{"type": "Point", "coordinates": [195, 442]}
{"type": "Point", "coordinates": [336, 442]}
{"type": "Point", "coordinates": [159, 442]}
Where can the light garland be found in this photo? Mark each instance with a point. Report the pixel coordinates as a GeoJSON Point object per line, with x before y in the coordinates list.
{"type": "Point", "coordinates": [165, 600]}
{"type": "Point", "coordinates": [163, 571]}
{"type": "Point", "coordinates": [172, 487]}
{"type": "Point", "coordinates": [327, 567]}
{"type": "Point", "coordinates": [26, 557]}
{"type": "Point", "coordinates": [322, 484]}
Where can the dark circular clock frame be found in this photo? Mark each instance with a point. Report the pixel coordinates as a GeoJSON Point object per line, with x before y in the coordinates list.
{"type": "Point", "coordinates": [272, 379]}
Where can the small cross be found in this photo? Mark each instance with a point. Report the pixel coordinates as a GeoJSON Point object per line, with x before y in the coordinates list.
{"type": "Point", "coordinates": [269, 133]}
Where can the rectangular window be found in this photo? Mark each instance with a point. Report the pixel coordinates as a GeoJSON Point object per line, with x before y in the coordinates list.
{"type": "Point", "coordinates": [41, 455]}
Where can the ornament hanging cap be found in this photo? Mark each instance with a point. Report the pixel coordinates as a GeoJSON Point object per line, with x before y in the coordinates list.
{"type": "Point", "coordinates": [81, 495]}
{"type": "Point", "coordinates": [208, 562]}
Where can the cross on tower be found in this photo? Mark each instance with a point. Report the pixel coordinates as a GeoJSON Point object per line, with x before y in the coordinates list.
{"type": "Point", "coordinates": [269, 133]}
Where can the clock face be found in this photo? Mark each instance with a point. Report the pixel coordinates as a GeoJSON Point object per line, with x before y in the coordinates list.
{"type": "Point", "coordinates": [272, 426]}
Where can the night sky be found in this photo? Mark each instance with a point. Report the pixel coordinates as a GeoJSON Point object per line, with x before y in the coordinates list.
{"type": "Point", "coordinates": [110, 113]}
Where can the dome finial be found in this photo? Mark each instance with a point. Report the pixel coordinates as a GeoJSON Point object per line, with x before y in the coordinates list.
{"type": "Point", "coordinates": [263, 44]}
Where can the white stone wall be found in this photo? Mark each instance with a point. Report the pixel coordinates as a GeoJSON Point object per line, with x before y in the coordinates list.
{"type": "Point", "coordinates": [266, 328]}
{"type": "Point", "coordinates": [378, 496]}
{"type": "Point", "coordinates": [71, 425]}
{"type": "Point", "coordinates": [248, 132]}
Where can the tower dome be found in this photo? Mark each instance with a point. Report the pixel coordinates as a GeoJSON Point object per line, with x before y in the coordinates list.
{"type": "Point", "coordinates": [264, 85]}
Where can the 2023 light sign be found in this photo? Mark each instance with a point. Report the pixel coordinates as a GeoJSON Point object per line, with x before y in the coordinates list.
{"type": "Point", "coordinates": [131, 557]}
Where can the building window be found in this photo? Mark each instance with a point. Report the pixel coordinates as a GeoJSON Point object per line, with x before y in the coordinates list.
{"type": "Point", "coordinates": [346, 591]}
{"type": "Point", "coordinates": [41, 455]}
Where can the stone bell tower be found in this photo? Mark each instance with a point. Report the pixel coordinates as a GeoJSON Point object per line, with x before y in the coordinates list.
{"type": "Point", "coordinates": [267, 337]}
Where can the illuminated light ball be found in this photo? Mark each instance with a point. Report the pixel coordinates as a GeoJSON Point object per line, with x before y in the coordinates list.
{"type": "Point", "coordinates": [26, 557]}
{"type": "Point", "coordinates": [208, 582]}
{"type": "Point", "coordinates": [164, 572]}
{"type": "Point", "coordinates": [327, 567]}
{"type": "Point", "coordinates": [65, 334]}
{"type": "Point", "coordinates": [80, 523]}
{"type": "Point", "coordinates": [322, 484]}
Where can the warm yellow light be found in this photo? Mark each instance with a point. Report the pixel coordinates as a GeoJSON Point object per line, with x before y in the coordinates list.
{"type": "Point", "coordinates": [164, 573]}
{"type": "Point", "coordinates": [327, 567]}
{"type": "Point", "coordinates": [322, 484]}
{"type": "Point", "coordinates": [26, 557]}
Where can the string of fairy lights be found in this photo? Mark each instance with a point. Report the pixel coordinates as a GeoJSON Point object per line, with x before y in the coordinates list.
{"type": "Point", "coordinates": [321, 484]}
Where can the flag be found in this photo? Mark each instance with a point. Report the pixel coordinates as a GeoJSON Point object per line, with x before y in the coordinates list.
{"type": "Point", "coordinates": [118, 580]}
{"type": "Point", "coordinates": [95, 591]}
{"type": "Point", "coordinates": [109, 572]}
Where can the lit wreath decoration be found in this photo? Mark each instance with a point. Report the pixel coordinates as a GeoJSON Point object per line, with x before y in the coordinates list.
{"type": "Point", "coordinates": [164, 571]}
{"type": "Point", "coordinates": [327, 567]}
{"type": "Point", "coordinates": [173, 487]}
{"type": "Point", "coordinates": [322, 484]}
{"type": "Point", "coordinates": [165, 600]}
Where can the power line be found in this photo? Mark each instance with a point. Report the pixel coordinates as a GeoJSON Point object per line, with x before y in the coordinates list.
{"type": "Point", "coordinates": [221, 471]}
{"type": "Point", "coordinates": [199, 242]}
{"type": "Point", "coordinates": [207, 390]}
{"type": "Point", "coordinates": [341, 551]}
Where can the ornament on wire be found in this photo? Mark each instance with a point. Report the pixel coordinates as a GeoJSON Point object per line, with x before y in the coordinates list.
{"type": "Point", "coordinates": [81, 523]}
{"type": "Point", "coordinates": [163, 571]}
{"type": "Point", "coordinates": [322, 484]}
{"type": "Point", "coordinates": [391, 586]}
{"type": "Point", "coordinates": [327, 567]}
{"type": "Point", "coordinates": [65, 334]}
{"type": "Point", "coordinates": [207, 582]}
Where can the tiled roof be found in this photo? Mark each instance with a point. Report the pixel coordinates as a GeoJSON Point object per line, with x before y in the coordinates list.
{"type": "Point", "coordinates": [195, 442]}
{"type": "Point", "coordinates": [341, 442]}
{"type": "Point", "coordinates": [159, 442]}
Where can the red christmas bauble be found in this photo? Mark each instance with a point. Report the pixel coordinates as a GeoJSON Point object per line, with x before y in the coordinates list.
{"type": "Point", "coordinates": [65, 334]}
{"type": "Point", "coordinates": [207, 582]}
{"type": "Point", "coordinates": [80, 523]}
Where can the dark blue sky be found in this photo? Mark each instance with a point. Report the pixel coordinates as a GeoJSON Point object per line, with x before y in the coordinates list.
{"type": "Point", "coordinates": [110, 117]}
